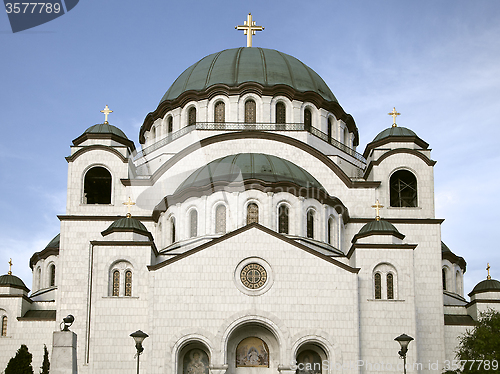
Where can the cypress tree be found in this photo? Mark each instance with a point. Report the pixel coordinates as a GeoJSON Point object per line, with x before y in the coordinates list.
{"type": "Point", "coordinates": [21, 362]}
{"type": "Point", "coordinates": [46, 364]}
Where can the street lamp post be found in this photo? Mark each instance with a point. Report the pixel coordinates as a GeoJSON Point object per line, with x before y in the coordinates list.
{"type": "Point", "coordinates": [403, 341]}
{"type": "Point", "coordinates": [139, 337]}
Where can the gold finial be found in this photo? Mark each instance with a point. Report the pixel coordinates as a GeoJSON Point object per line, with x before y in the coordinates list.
{"type": "Point", "coordinates": [106, 112]}
{"type": "Point", "coordinates": [129, 203]}
{"type": "Point", "coordinates": [378, 206]}
{"type": "Point", "coordinates": [488, 268]}
{"type": "Point", "coordinates": [394, 114]}
{"type": "Point", "coordinates": [249, 29]}
{"type": "Point", "coordinates": [10, 267]}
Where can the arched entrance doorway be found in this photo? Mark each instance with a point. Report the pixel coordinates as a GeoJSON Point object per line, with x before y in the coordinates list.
{"type": "Point", "coordinates": [252, 349]}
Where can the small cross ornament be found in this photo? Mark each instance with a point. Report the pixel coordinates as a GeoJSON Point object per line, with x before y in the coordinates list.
{"type": "Point", "coordinates": [129, 203]}
{"type": "Point", "coordinates": [394, 114]}
{"type": "Point", "coordinates": [249, 29]}
{"type": "Point", "coordinates": [106, 112]}
{"type": "Point", "coordinates": [377, 207]}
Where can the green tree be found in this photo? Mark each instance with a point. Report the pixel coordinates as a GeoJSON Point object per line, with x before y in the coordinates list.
{"type": "Point", "coordinates": [481, 343]}
{"type": "Point", "coordinates": [46, 364]}
{"type": "Point", "coordinates": [20, 363]}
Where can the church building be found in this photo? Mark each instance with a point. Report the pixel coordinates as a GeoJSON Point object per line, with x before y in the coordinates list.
{"type": "Point", "coordinates": [257, 239]}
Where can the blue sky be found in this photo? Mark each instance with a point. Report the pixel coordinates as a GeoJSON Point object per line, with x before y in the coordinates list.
{"type": "Point", "coordinates": [437, 62]}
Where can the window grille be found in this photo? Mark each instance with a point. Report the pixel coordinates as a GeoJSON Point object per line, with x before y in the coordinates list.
{"type": "Point", "coordinates": [250, 111]}
{"type": "Point", "coordinates": [280, 112]}
{"type": "Point", "coordinates": [283, 219]}
{"type": "Point", "coordinates": [193, 219]}
{"type": "Point", "coordinates": [52, 275]}
{"type": "Point", "coordinates": [116, 283]}
{"type": "Point", "coordinates": [192, 116]}
{"type": "Point", "coordinates": [252, 213]}
{"type": "Point", "coordinates": [97, 186]}
{"type": "Point", "coordinates": [220, 219]}
{"type": "Point", "coordinates": [170, 125]}
{"type": "Point", "coordinates": [307, 119]}
{"type": "Point", "coordinates": [310, 224]}
{"type": "Point", "coordinates": [378, 286]}
{"type": "Point", "coordinates": [219, 113]}
{"type": "Point", "coordinates": [390, 287]}
{"type": "Point", "coordinates": [128, 283]}
{"type": "Point", "coordinates": [4, 326]}
{"type": "Point", "coordinates": [403, 189]}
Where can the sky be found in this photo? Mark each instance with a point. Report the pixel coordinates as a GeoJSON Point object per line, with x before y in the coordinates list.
{"type": "Point", "coordinates": [437, 62]}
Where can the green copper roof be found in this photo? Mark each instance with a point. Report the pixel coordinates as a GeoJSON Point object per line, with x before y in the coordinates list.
{"type": "Point", "coordinates": [126, 224]}
{"type": "Point", "coordinates": [239, 65]}
{"type": "Point", "coordinates": [54, 243]}
{"type": "Point", "coordinates": [444, 248]}
{"type": "Point", "coordinates": [244, 166]}
{"type": "Point", "coordinates": [485, 286]}
{"type": "Point", "coordinates": [105, 128]}
{"type": "Point", "coordinates": [379, 226]}
{"type": "Point", "coordinates": [12, 280]}
{"type": "Point", "coordinates": [394, 131]}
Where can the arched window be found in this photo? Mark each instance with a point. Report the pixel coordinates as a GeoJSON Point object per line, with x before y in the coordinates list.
{"type": "Point", "coordinates": [443, 274]}
{"type": "Point", "coordinates": [52, 271]}
{"type": "Point", "coordinates": [116, 283]}
{"type": "Point", "coordinates": [172, 230]}
{"type": "Point", "coordinates": [390, 287]}
{"type": "Point", "coordinates": [170, 125]}
{"type": "Point", "coordinates": [192, 116]}
{"type": "Point", "coordinates": [283, 218]}
{"type": "Point", "coordinates": [252, 213]}
{"type": "Point", "coordinates": [4, 326]}
{"type": "Point", "coordinates": [220, 219]}
{"type": "Point", "coordinates": [378, 286]}
{"type": "Point", "coordinates": [331, 230]}
{"type": "Point", "coordinates": [330, 130]}
{"type": "Point", "coordinates": [309, 362]}
{"type": "Point", "coordinates": [346, 136]}
{"type": "Point", "coordinates": [307, 119]}
{"type": "Point", "coordinates": [250, 111]}
{"type": "Point", "coordinates": [39, 279]}
{"type": "Point", "coordinates": [153, 133]}
{"type": "Point", "coordinates": [310, 224]}
{"type": "Point", "coordinates": [193, 223]}
{"type": "Point", "coordinates": [128, 283]}
{"type": "Point", "coordinates": [458, 281]}
{"type": "Point", "coordinates": [195, 361]}
{"type": "Point", "coordinates": [403, 186]}
{"type": "Point", "coordinates": [220, 112]}
{"type": "Point", "coordinates": [280, 112]}
{"type": "Point", "coordinates": [97, 186]}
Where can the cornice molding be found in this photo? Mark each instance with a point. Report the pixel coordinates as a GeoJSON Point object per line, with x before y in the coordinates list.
{"type": "Point", "coordinates": [96, 147]}
{"type": "Point", "coordinates": [392, 152]}
{"type": "Point", "coordinates": [378, 246]}
{"type": "Point", "coordinates": [86, 136]}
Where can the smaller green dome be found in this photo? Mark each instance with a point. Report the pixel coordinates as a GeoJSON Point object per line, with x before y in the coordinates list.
{"type": "Point", "coordinates": [126, 224]}
{"type": "Point", "coordinates": [487, 285]}
{"type": "Point", "coordinates": [54, 243]}
{"type": "Point", "coordinates": [394, 131]}
{"type": "Point", "coordinates": [378, 226]}
{"type": "Point", "coordinates": [9, 280]}
{"type": "Point", "coordinates": [105, 128]}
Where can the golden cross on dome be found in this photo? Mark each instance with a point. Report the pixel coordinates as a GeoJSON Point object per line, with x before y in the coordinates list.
{"type": "Point", "coordinates": [249, 29]}
{"type": "Point", "coordinates": [129, 203]}
{"type": "Point", "coordinates": [10, 267]}
{"type": "Point", "coordinates": [106, 112]}
{"type": "Point", "coordinates": [378, 206]}
{"type": "Point", "coordinates": [488, 268]}
{"type": "Point", "coordinates": [394, 114]}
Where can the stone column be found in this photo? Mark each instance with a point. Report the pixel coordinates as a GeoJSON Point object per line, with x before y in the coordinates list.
{"type": "Point", "coordinates": [63, 353]}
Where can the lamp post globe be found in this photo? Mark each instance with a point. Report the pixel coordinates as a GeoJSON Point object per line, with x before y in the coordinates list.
{"type": "Point", "coordinates": [139, 337]}
{"type": "Point", "coordinates": [403, 341]}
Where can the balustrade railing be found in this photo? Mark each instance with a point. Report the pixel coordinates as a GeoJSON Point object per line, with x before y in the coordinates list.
{"type": "Point", "coordinates": [238, 126]}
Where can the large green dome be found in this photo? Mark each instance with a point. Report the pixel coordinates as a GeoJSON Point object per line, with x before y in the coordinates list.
{"type": "Point", "coordinates": [245, 166]}
{"type": "Point", "coordinates": [233, 67]}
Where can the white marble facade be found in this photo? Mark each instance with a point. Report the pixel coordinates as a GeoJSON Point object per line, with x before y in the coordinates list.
{"type": "Point", "coordinates": [319, 297]}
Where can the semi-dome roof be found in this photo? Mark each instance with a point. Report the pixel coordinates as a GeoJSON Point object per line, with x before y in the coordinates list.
{"type": "Point", "coordinates": [378, 227]}
{"type": "Point", "coordinates": [9, 280]}
{"type": "Point", "coordinates": [245, 166]}
{"type": "Point", "coordinates": [394, 131]}
{"type": "Point", "coordinates": [487, 285]}
{"type": "Point", "coordinates": [126, 224]}
{"type": "Point", "coordinates": [232, 67]}
{"type": "Point", "coordinates": [105, 128]}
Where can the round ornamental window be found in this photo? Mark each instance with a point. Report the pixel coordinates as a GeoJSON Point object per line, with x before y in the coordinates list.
{"type": "Point", "coordinates": [253, 276]}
